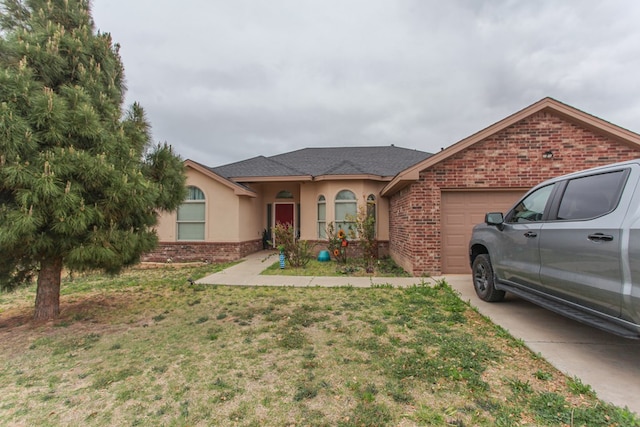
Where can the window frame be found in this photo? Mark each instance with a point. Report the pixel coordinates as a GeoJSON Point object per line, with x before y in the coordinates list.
{"type": "Point", "coordinates": [372, 210]}
{"type": "Point", "coordinates": [613, 202]}
{"type": "Point", "coordinates": [321, 222]}
{"type": "Point", "coordinates": [342, 223]}
{"type": "Point", "coordinates": [514, 217]}
{"type": "Point", "coordinates": [195, 196]}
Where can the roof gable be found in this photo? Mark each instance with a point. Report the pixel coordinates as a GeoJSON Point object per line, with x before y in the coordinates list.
{"type": "Point", "coordinates": [551, 105]}
{"type": "Point", "coordinates": [238, 189]}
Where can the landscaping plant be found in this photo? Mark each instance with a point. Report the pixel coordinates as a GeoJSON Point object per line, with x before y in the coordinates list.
{"type": "Point", "coordinates": [337, 243]}
{"type": "Point", "coordinates": [365, 223]}
{"type": "Point", "coordinates": [297, 252]}
{"type": "Point", "coordinates": [80, 182]}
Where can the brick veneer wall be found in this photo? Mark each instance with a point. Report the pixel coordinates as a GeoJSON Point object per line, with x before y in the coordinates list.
{"type": "Point", "coordinates": [202, 251]}
{"type": "Point", "coordinates": [511, 158]}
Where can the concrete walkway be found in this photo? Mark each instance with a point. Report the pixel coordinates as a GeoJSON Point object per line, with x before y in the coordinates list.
{"type": "Point", "coordinates": [247, 273]}
{"type": "Point", "coordinates": [607, 363]}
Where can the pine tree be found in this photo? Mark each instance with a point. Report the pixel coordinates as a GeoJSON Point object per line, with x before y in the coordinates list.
{"type": "Point", "coordinates": [80, 183]}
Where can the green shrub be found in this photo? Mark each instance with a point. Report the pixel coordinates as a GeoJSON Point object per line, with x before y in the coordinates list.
{"type": "Point", "coordinates": [297, 252]}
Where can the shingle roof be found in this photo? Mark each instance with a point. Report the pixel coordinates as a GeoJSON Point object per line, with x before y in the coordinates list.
{"type": "Point", "coordinates": [256, 166]}
{"type": "Point", "coordinates": [380, 161]}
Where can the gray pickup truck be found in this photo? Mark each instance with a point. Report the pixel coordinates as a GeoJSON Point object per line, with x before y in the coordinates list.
{"type": "Point", "coordinates": [571, 245]}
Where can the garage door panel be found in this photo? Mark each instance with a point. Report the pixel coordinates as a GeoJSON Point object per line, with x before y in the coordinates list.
{"type": "Point", "coordinates": [477, 218]}
{"type": "Point", "coordinates": [455, 239]}
{"type": "Point", "coordinates": [461, 210]}
{"type": "Point", "coordinates": [455, 219]}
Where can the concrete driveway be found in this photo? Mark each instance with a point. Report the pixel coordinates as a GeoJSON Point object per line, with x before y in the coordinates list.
{"type": "Point", "coordinates": [609, 364]}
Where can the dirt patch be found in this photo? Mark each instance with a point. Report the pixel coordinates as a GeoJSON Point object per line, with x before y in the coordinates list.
{"type": "Point", "coordinates": [77, 315]}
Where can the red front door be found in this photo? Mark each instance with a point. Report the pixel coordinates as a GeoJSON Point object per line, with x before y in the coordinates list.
{"type": "Point", "coordinates": [284, 213]}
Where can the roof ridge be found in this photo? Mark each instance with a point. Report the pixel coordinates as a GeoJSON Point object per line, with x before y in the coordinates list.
{"type": "Point", "coordinates": [341, 164]}
{"type": "Point", "coordinates": [298, 171]}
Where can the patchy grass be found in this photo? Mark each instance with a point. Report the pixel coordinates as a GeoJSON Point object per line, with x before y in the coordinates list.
{"type": "Point", "coordinates": [147, 348]}
{"type": "Point", "coordinates": [384, 267]}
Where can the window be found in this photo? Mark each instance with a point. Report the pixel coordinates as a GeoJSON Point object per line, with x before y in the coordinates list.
{"type": "Point", "coordinates": [591, 196]}
{"type": "Point", "coordinates": [531, 208]}
{"type": "Point", "coordinates": [284, 194]}
{"type": "Point", "coordinates": [322, 218]}
{"type": "Point", "coordinates": [191, 216]}
{"type": "Point", "coordinates": [346, 211]}
{"type": "Point", "coordinates": [371, 211]}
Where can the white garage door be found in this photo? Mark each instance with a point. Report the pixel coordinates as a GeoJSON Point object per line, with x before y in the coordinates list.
{"type": "Point", "coordinates": [460, 211]}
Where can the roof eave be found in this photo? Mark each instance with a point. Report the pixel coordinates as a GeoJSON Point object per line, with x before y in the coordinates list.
{"type": "Point", "coordinates": [400, 181]}
{"type": "Point", "coordinates": [411, 174]}
{"type": "Point", "coordinates": [238, 190]}
{"type": "Point", "coordinates": [283, 178]}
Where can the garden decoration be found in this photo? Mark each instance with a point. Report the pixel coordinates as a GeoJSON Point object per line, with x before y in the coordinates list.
{"type": "Point", "coordinates": [341, 251]}
{"type": "Point", "coordinates": [337, 243]}
{"type": "Point", "coordinates": [324, 256]}
{"type": "Point", "coordinates": [282, 256]}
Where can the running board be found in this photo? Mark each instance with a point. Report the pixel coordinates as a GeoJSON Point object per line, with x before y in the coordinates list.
{"type": "Point", "coordinates": [572, 312]}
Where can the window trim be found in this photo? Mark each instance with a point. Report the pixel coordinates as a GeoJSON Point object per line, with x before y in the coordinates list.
{"type": "Point", "coordinates": [284, 195]}
{"type": "Point", "coordinates": [337, 202]}
{"type": "Point", "coordinates": [372, 209]}
{"type": "Point", "coordinates": [565, 184]}
{"type": "Point", "coordinates": [321, 222]}
{"type": "Point", "coordinates": [511, 216]}
{"type": "Point", "coordinates": [192, 201]}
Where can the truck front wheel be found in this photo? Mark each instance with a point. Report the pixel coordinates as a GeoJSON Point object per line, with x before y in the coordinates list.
{"type": "Point", "coordinates": [483, 280]}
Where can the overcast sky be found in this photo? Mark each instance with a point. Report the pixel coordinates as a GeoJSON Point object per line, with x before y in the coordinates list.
{"type": "Point", "coordinates": [227, 80]}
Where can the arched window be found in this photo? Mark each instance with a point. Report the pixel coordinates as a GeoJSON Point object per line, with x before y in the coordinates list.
{"type": "Point", "coordinates": [191, 215]}
{"type": "Point", "coordinates": [346, 210]}
{"type": "Point", "coordinates": [322, 218]}
{"type": "Point", "coordinates": [284, 194]}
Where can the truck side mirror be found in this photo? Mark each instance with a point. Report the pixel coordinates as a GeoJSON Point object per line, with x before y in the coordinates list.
{"type": "Point", "coordinates": [494, 218]}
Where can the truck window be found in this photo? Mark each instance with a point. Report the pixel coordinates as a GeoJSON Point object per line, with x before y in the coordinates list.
{"type": "Point", "coordinates": [591, 196]}
{"type": "Point", "coordinates": [531, 208]}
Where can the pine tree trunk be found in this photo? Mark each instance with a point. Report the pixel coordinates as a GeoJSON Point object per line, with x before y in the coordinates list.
{"type": "Point", "coordinates": [48, 293]}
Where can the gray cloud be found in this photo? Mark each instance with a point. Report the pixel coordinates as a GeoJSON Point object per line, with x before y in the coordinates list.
{"type": "Point", "coordinates": [223, 81]}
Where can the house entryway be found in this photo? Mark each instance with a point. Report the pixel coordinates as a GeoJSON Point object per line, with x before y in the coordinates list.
{"type": "Point", "coordinates": [285, 213]}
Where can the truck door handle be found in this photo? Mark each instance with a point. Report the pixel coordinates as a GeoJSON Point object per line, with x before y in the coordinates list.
{"type": "Point", "coordinates": [530, 234]}
{"type": "Point", "coordinates": [600, 237]}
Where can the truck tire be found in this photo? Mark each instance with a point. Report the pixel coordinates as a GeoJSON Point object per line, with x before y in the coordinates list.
{"type": "Point", "coordinates": [483, 280]}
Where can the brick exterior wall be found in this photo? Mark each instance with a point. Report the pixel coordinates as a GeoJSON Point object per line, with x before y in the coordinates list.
{"type": "Point", "coordinates": [222, 252]}
{"type": "Point", "coordinates": [201, 251]}
{"type": "Point", "coordinates": [511, 158]}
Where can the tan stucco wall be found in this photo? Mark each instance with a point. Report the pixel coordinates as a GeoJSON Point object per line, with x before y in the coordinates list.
{"type": "Point", "coordinates": [310, 191]}
{"type": "Point", "coordinates": [250, 218]}
{"type": "Point", "coordinates": [225, 213]}
{"type": "Point", "coordinates": [232, 218]}
{"type": "Point", "coordinates": [166, 227]}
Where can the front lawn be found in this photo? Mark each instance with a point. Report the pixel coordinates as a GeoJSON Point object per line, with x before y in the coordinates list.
{"type": "Point", "coordinates": [148, 348]}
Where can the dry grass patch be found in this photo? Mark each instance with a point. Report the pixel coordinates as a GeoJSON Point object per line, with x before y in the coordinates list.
{"type": "Point", "coordinates": [147, 348]}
